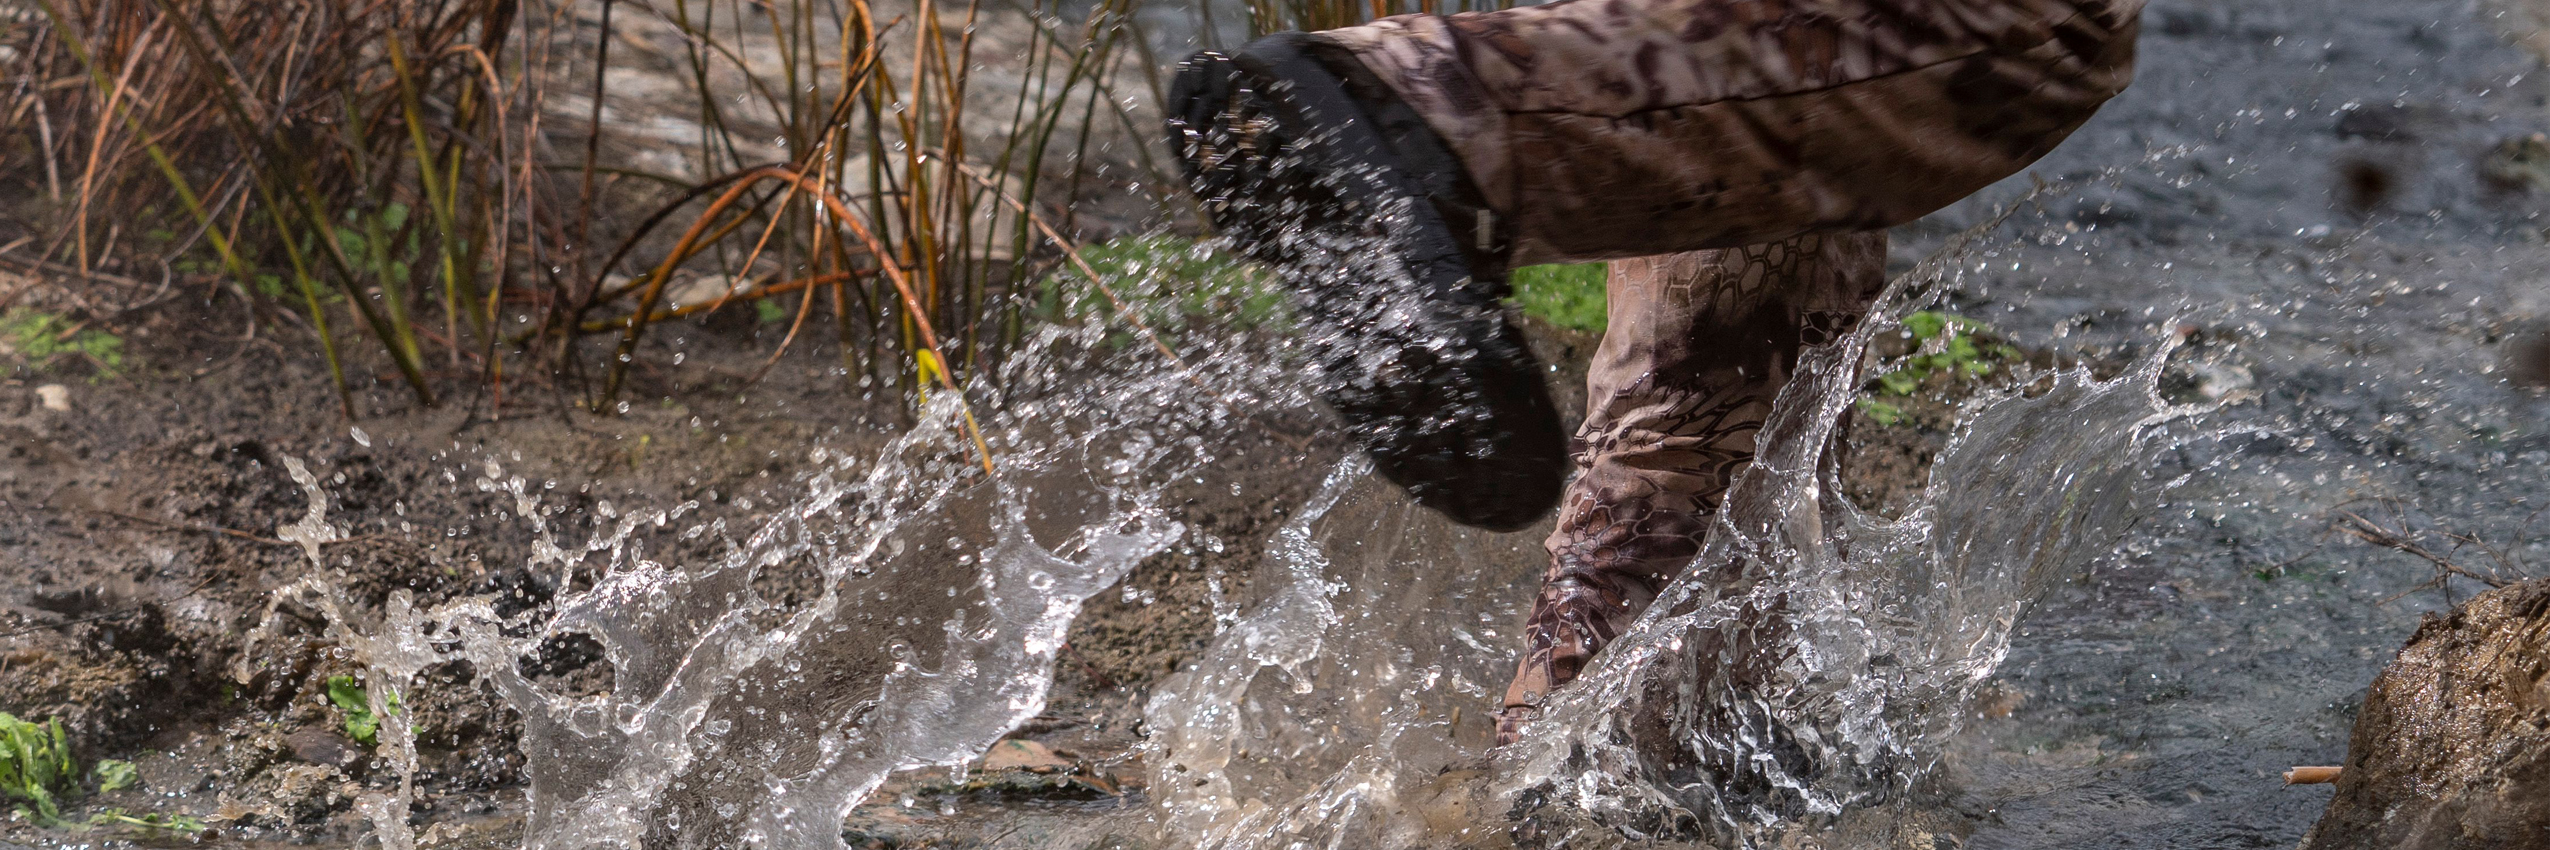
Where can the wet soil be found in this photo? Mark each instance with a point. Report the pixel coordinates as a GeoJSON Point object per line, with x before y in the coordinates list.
{"type": "Point", "coordinates": [145, 512]}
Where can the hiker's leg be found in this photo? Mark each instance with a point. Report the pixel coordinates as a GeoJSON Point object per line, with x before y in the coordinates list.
{"type": "Point", "coordinates": [1399, 168]}
{"type": "Point", "coordinates": [1699, 345]}
{"type": "Point", "coordinates": [1612, 128]}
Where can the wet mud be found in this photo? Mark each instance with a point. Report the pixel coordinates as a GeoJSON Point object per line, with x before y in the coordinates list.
{"type": "Point", "coordinates": [151, 515]}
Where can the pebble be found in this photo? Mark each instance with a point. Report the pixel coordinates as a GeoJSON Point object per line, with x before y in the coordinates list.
{"type": "Point", "coordinates": [2528, 358]}
{"type": "Point", "coordinates": [54, 397]}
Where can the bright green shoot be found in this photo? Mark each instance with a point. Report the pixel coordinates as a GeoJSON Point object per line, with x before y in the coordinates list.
{"type": "Point", "coordinates": [350, 698]}
{"type": "Point", "coordinates": [1569, 296]}
{"type": "Point", "coordinates": [39, 339]}
{"type": "Point", "coordinates": [147, 820]}
{"type": "Point", "coordinates": [1949, 348]}
{"type": "Point", "coordinates": [35, 765]}
{"type": "Point", "coordinates": [115, 775]}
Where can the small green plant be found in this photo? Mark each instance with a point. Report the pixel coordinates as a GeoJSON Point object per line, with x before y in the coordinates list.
{"type": "Point", "coordinates": [375, 241]}
{"type": "Point", "coordinates": [147, 820]}
{"type": "Point", "coordinates": [350, 698]}
{"type": "Point", "coordinates": [36, 769]}
{"type": "Point", "coordinates": [769, 312]}
{"type": "Point", "coordinates": [1569, 296]}
{"type": "Point", "coordinates": [1944, 345]}
{"type": "Point", "coordinates": [41, 338]}
{"type": "Point", "coordinates": [1170, 282]}
{"type": "Point", "coordinates": [35, 764]}
{"type": "Point", "coordinates": [115, 775]}
{"type": "Point", "coordinates": [1958, 355]}
{"type": "Point", "coordinates": [1880, 412]}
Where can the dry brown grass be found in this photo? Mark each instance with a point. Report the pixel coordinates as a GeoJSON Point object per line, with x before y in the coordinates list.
{"type": "Point", "coordinates": [456, 177]}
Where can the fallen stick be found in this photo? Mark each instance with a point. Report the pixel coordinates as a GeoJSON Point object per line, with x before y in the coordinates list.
{"type": "Point", "coordinates": [2312, 775]}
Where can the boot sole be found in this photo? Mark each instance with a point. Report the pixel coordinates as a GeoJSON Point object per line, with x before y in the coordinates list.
{"type": "Point", "coordinates": [1414, 350]}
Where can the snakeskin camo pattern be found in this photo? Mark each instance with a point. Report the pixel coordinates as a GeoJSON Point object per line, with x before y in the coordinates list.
{"type": "Point", "coordinates": [1699, 345]}
{"type": "Point", "coordinates": [1604, 129]}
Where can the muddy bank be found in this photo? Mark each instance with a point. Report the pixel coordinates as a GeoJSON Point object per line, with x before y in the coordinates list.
{"type": "Point", "coordinates": [148, 510]}
{"type": "Point", "coordinates": [151, 510]}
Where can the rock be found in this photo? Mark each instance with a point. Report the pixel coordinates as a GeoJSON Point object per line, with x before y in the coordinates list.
{"type": "Point", "coordinates": [2519, 164]}
{"type": "Point", "coordinates": [1030, 756]}
{"type": "Point", "coordinates": [321, 746]}
{"type": "Point", "coordinates": [287, 794]}
{"type": "Point", "coordinates": [2452, 746]}
{"type": "Point", "coordinates": [186, 768]}
{"type": "Point", "coordinates": [2528, 357]}
{"type": "Point", "coordinates": [103, 698]}
{"type": "Point", "coordinates": [2225, 381]}
{"type": "Point", "coordinates": [708, 289]}
{"type": "Point", "coordinates": [2380, 122]}
{"type": "Point", "coordinates": [54, 397]}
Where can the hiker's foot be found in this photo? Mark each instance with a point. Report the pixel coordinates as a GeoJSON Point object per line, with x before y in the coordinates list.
{"type": "Point", "coordinates": [1512, 720]}
{"type": "Point", "coordinates": [1573, 618]}
{"type": "Point", "coordinates": [1310, 167]}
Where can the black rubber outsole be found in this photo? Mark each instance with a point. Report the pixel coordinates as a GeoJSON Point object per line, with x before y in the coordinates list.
{"type": "Point", "coordinates": [1413, 347]}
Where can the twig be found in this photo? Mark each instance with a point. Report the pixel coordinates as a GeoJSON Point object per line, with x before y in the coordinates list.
{"type": "Point", "coordinates": [757, 293]}
{"type": "Point", "coordinates": [2376, 534]}
{"type": "Point", "coordinates": [2312, 775]}
{"type": "Point", "coordinates": [1097, 678]}
{"type": "Point", "coordinates": [213, 529]}
{"type": "Point", "coordinates": [2403, 534]}
{"type": "Point", "coordinates": [894, 274]}
{"type": "Point", "coordinates": [187, 526]}
{"type": "Point", "coordinates": [93, 275]}
{"type": "Point", "coordinates": [127, 611]}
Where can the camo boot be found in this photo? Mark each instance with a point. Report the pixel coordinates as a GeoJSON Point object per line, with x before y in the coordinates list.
{"type": "Point", "coordinates": [1307, 162]}
{"type": "Point", "coordinates": [1699, 345]}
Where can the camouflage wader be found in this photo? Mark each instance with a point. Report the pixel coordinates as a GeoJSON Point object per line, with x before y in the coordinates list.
{"type": "Point", "coordinates": [1767, 140]}
{"type": "Point", "coordinates": [1602, 129]}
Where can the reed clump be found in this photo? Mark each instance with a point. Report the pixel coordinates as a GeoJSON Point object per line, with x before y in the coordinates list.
{"type": "Point", "coordinates": [516, 191]}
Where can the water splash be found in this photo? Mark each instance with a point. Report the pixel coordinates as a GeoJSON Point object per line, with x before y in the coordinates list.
{"type": "Point", "coordinates": [906, 610]}
{"type": "Point", "coordinates": [1811, 663]}
{"type": "Point", "coordinates": [312, 529]}
{"type": "Point", "coordinates": [1788, 688]}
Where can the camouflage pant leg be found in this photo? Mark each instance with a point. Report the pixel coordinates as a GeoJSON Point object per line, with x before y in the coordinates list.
{"type": "Point", "coordinates": [1601, 129]}
{"type": "Point", "coordinates": [1699, 345]}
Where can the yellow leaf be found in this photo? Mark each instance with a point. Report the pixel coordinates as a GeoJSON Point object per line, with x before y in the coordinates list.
{"type": "Point", "coordinates": [927, 362]}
